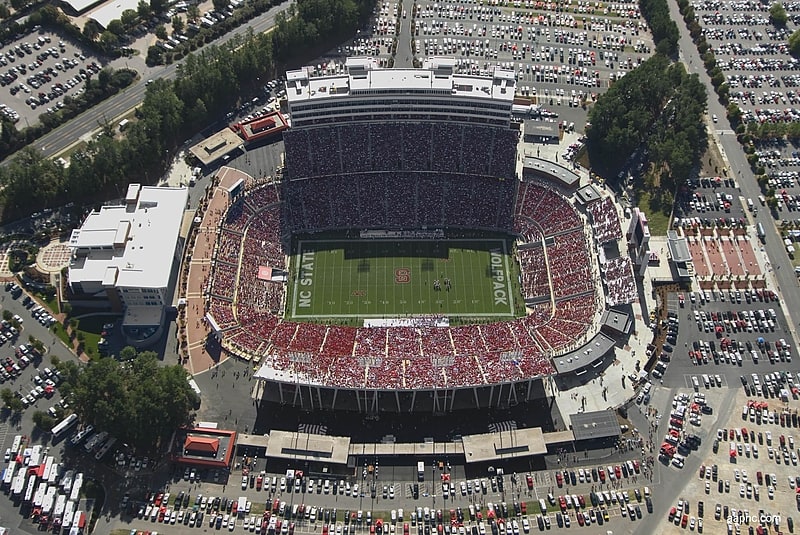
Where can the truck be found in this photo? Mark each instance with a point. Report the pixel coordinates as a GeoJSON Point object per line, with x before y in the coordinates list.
{"type": "Point", "coordinates": [762, 235]}
{"type": "Point", "coordinates": [420, 471]}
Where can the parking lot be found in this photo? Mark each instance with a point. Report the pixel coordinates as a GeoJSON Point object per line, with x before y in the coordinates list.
{"type": "Point", "coordinates": [38, 71]}
{"type": "Point", "coordinates": [747, 482]}
{"type": "Point", "coordinates": [754, 56]}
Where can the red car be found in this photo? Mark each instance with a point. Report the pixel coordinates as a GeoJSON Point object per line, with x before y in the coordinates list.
{"type": "Point", "coordinates": [405, 528]}
{"type": "Point", "coordinates": [672, 513]}
{"type": "Point", "coordinates": [702, 471]}
{"type": "Point", "coordinates": [636, 466]}
{"type": "Point", "coordinates": [582, 500]}
{"type": "Point", "coordinates": [684, 521]}
{"type": "Point", "coordinates": [259, 482]}
{"type": "Point", "coordinates": [529, 480]}
{"type": "Point", "coordinates": [562, 502]}
{"type": "Point", "coordinates": [581, 520]}
{"type": "Point", "coordinates": [560, 479]}
{"type": "Point", "coordinates": [618, 471]}
{"type": "Point", "coordinates": [602, 473]}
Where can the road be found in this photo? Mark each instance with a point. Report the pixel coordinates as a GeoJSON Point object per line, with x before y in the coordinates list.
{"type": "Point", "coordinates": [71, 132]}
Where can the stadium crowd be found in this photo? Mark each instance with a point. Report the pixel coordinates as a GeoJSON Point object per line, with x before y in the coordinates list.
{"type": "Point", "coordinates": [398, 200]}
{"type": "Point", "coordinates": [402, 176]}
{"type": "Point", "coordinates": [621, 286]}
{"type": "Point", "coordinates": [605, 221]}
{"type": "Point", "coordinates": [440, 147]}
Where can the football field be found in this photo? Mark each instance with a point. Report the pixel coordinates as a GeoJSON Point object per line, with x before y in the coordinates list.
{"type": "Point", "coordinates": [348, 280]}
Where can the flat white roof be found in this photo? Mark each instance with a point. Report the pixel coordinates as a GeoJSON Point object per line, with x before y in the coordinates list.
{"type": "Point", "coordinates": [150, 225]}
{"type": "Point", "coordinates": [111, 10]}
{"type": "Point", "coordinates": [81, 5]}
{"type": "Point", "coordinates": [365, 77]}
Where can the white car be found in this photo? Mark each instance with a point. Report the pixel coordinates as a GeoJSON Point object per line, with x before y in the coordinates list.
{"type": "Point", "coordinates": [244, 482]}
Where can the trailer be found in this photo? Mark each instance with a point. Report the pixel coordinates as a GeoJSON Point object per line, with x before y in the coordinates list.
{"type": "Point", "coordinates": [69, 511]}
{"type": "Point", "coordinates": [30, 488]}
{"type": "Point", "coordinates": [48, 467]}
{"type": "Point", "coordinates": [76, 487]}
{"type": "Point", "coordinates": [49, 500]}
{"type": "Point", "coordinates": [54, 473]}
{"type": "Point", "coordinates": [35, 458]}
{"type": "Point", "coordinates": [66, 481]}
{"type": "Point", "coordinates": [8, 477]}
{"type": "Point", "coordinates": [18, 485]}
{"type": "Point", "coordinates": [38, 496]}
{"type": "Point", "coordinates": [58, 510]}
{"type": "Point", "coordinates": [16, 445]}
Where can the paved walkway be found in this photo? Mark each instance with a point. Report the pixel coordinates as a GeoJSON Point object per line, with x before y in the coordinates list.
{"type": "Point", "coordinates": [195, 288]}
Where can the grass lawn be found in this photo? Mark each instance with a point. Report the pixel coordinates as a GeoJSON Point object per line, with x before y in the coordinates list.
{"type": "Point", "coordinates": [349, 280]}
{"type": "Point", "coordinates": [657, 219]}
{"type": "Point", "coordinates": [91, 328]}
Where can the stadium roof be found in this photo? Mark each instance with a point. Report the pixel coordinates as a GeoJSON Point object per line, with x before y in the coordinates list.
{"type": "Point", "coordinates": [678, 248]}
{"type": "Point", "coordinates": [547, 169]}
{"type": "Point", "coordinates": [112, 10]}
{"type": "Point", "coordinates": [587, 194]}
{"type": "Point", "coordinates": [534, 127]}
{"type": "Point", "coordinates": [365, 76]}
{"type": "Point", "coordinates": [590, 354]}
{"type": "Point", "coordinates": [308, 447]}
{"type": "Point", "coordinates": [216, 146]}
{"type": "Point", "coordinates": [594, 425]}
{"type": "Point", "coordinates": [262, 127]}
{"type": "Point", "coordinates": [616, 321]}
{"type": "Point", "coordinates": [203, 446]}
{"type": "Point", "coordinates": [504, 445]}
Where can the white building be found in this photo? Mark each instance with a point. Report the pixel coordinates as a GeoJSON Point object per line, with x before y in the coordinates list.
{"type": "Point", "coordinates": [368, 92]}
{"type": "Point", "coordinates": [125, 253]}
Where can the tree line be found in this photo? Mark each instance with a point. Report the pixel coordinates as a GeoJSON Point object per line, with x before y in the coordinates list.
{"type": "Point", "coordinates": [209, 83]}
{"type": "Point", "coordinates": [665, 31]}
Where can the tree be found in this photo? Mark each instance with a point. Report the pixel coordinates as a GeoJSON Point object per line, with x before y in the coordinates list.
{"type": "Point", "coordinates": [777, 15]}
{"type": "Point", "coordinates": [193, 13]}
{"type": "Point", "coordinates": [794, 44]}
{"type": "Point", "coordinates": [220, 5]}
{"type": "Point", "coordinates": [144, 10]}
{"type": "Point", "coordinates": [128, 18]}
{"type": "Point", "coordinates": [91, 30]}
{"type": "Point", "coordinates": [7, 315]}
{"type": "Point", "coordinates": [43, 421]}
{"type": "Point", "coordinates": [116, 27]}
{"type": "Point", "coordinates": [161, 31]}
{"type": "Point", "coordinates": [127, 353]}
{"type": "Point", "coordinates": [177, 24]}
{"type": "Point", "coordinates": [10, 401]}
{"type": "Point", "coordinates": [141, 403]}
{"type": "Point", "coordinates": [158, 6]}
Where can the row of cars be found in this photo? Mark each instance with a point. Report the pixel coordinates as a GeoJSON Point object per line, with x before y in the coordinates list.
{"type": "Point", "coordinates": [599, 474]}
{"type": "Point", "coordinates": [772, 385]}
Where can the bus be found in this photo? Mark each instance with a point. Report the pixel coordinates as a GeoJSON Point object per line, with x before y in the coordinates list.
{"type": "Point", "coordinates": [64, 425]}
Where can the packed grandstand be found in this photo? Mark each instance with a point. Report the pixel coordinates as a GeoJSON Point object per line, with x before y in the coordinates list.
{"type": "Point", "coordinates": [394, 175]}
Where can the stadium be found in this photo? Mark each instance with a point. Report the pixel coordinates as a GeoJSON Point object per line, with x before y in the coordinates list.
{"type": "Point", "coordinates": [399, 263]}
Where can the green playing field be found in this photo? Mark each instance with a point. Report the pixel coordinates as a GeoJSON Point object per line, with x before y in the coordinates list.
{"type": "Point", "coordinates": [347, 280]}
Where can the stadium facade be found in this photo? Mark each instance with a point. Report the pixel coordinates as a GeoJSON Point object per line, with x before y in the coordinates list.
{"type": "Point", "coordinates": [409, 150]}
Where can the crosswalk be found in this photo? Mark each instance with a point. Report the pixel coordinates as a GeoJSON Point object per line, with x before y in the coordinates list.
{"type": "Point", "coordinates": [313, 429]}
{"type": "Point", "coordinates": [507, 425]}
